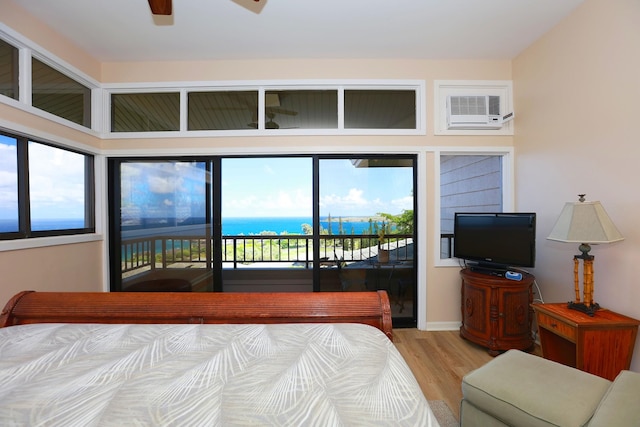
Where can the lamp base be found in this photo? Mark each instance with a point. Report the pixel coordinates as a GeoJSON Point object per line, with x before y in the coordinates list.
{"type": "Point", "coordinates": [580, 306]}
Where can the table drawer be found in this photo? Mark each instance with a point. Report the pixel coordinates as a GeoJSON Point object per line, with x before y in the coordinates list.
{"type": "Point", "coordinates": [558, 326]}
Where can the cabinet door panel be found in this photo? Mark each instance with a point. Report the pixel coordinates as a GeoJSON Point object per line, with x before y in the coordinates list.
{"type": "Point", "coordinates": [515, 312]}
{"type": "Point", "coordinates": [476, 305]}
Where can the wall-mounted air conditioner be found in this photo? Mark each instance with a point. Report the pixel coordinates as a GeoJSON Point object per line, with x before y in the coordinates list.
{"type": "Point", "coordinates": [475, 112]}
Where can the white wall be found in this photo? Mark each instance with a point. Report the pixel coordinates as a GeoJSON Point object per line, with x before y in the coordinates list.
{"type": "Point", "coordinates": [576, 96]}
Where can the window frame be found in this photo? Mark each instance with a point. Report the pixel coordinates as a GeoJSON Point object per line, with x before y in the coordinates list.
{"type": "Point", "coordinates": [262, 87]}
{"type": "Point", "coordinates": [86, 91]}
{"type": "Point", "coordinates": [100, 96]}
{"type": "Point", "coordinates": [14, 72]}
{"type": "Point", "coordinates": [25, 233]}
{"type": "Point", "coordinates": [444, 88]}
{"type": "Point", "coordinates": [508, 192]}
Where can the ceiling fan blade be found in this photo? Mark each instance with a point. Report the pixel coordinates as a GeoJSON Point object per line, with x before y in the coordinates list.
{"type": "Point", "coordinates": [161, 7]}
{"type": "Point", "coordinates": [254, 6]}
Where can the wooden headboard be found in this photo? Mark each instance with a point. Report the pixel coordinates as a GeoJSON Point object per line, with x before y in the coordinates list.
{"type": "Point", "coordinates": [371, 308]}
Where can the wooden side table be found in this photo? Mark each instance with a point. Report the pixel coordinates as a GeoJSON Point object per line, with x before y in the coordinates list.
{"type": "Point", "coordinates": [601, 345]}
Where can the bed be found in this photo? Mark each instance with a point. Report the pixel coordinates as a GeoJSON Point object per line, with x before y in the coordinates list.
{"type": "Point", "coordinates": [187, 359]}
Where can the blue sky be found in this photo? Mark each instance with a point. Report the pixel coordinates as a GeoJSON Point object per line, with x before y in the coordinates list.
{"type": "Point", "coordinates": [252, 187]}
{"type": "Point", "coordinates": [56, 182]}
{"type": "Point", "coordinates": [283, 187]}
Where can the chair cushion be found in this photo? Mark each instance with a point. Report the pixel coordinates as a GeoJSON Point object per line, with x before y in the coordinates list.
{"type": "Point", "coordinates": [620, 404]}
{"type": "Point", "coordinates": [526, 390]}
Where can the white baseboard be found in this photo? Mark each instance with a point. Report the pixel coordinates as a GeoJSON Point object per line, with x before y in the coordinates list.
{"type": "Point", "coordinates": [443, 326]}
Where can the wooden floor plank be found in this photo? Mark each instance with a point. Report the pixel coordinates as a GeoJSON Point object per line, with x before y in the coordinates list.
{"type": "Point", "coordinates": [439, 360]}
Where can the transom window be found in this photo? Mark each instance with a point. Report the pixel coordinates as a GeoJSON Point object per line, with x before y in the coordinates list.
{"type": "Point", "coordinates": [266, 110]}
{"type": "Point", "coordinates": [58, 94]}
{"type": "Point", "coordinates": [8, 70]}
{"type": "Point", "coordinates": [150, 110]}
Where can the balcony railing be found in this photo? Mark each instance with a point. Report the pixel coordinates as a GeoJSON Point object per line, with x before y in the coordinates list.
{"type": "Point", "coordinates": [292, 250]}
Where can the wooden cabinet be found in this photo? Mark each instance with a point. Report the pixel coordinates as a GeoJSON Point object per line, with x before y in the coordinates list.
{"type": "Point", "coordinates": [601, 345]}
{"type": "Point", "coordinates": [496, 312]}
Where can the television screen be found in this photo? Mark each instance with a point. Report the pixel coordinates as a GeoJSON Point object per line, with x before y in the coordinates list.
{"type": "Point", "coordinates": [495, 240]}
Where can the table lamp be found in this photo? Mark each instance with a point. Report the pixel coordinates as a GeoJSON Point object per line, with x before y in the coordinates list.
{"type": "Point", "coordinates": [585, 223]}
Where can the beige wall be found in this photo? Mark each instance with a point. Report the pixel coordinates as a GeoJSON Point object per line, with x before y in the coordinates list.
{"type": "Point", "coordinates": [20, 121]}
{"type": "Point", "coordinates": [16, 18]}
{"type": "Point", "coordinates": [576, 95]}
{"type": "Point", "coordinates": [74, 267]}
{"type": "Point", "coordinates": [443, 283]}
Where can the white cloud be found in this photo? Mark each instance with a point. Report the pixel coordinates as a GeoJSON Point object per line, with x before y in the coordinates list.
{"type": "Point", "coordinates": [163, 184]}
{"type": "Point", "coordinates": [8, 180]}
{"type": "Point", "coordinates": [352, 204]}
{"type": "Point", "coordinates": [403, 203]}
{"type": "Point", "coordinates": [56, 182]}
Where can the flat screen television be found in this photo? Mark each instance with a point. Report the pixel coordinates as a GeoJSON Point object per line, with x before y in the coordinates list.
{"type": "Point", "coordinates": [495, 240]}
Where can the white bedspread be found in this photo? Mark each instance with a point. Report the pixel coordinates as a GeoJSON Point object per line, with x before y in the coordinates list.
{"type": "Point", "coordinates": [206, 375]}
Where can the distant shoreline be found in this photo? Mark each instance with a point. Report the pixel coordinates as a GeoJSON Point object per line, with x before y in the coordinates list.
{"type": "Point", "coordinates": [353, 218]}
{"type": "Point", "coordinates": [234, 225]}
{"type": "Point", "coordinates": [359, 218]}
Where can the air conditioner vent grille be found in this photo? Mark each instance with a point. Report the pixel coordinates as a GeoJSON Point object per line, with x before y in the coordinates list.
{"type": "Point", "coordinates": [469, 105]}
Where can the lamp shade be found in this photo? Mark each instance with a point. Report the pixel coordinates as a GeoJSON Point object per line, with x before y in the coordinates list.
{"type": "Point", "coordinates": [584, 222]}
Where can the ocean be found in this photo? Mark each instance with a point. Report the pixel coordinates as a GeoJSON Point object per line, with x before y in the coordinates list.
{"type": "Point", "coordinates": [291, 225]}
{"type": "Point", "coordinates": [230, 226]}
{"type": "Point", "coordinates": [11, 225]}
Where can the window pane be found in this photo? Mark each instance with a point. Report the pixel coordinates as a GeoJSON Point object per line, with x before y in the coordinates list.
{"type": "Point", "coordinates": [223, 110]}
{"type": "Point", "coordinates": [379, 109]}
{"type": "Point", "coordinates": [301, 109]}
{"type": "Point", "coordinates": [165, 238]}
{"type": "Point", "coordinates": [367, 234]}
{"type": "Point", "coordinates": [266, 187]}
{"type": "Point", "coordinates": [468, 183]}
{"type": "Point", "coordinates": [58, 94]}
{"type": "Point", "coordinates": [266, 208]}
{"type": "Point", "coordinates": [145, 112]}
{"type": "Point", "coordinates": [57, 188]}
{"type": "Point", "coordinates": [8, 185]}
{"type": "Point", "coordinates": [8, 70]}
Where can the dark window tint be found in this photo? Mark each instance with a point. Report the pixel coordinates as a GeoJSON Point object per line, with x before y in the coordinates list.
{"type": "Point", "coordinates": [145, 112]}
{"type": "Point", "coordinates": [60, 95]}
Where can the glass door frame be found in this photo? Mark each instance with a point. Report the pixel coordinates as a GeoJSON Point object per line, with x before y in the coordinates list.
{"type": "Point", "coordinates": [214, 213]}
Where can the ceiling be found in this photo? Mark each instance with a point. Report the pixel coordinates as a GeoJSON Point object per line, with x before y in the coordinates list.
{"type": "Point", "coordinates": [125, 30]}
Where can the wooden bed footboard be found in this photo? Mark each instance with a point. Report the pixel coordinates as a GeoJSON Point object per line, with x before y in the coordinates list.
{"type": "Point", "coordinates": [371, 308]}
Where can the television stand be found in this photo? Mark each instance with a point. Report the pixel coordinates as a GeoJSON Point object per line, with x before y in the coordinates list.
{"type": "Point", "coordinates": [496, 311]}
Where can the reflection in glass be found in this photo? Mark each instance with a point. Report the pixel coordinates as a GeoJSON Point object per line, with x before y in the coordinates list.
{"type": "Point", "coordinates": [166, 238]}
{"type": "Point", "coordinates": [58, 94]}
{"type": "Point", "coordinates": [379, 109]}
{"type": "Point", "coordinates": [301, 109]}
{"type": "Point", "coordinates": [8, 185]}
{"type": "Point", "coordinates": [145, 112]}
{"type": "Point", "coordinates": [8, 70]}
{"type": "Point", "coordinates": [223, 110]}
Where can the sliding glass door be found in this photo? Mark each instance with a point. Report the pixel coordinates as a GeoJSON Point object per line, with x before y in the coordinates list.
{"type": "Point", "coordinates": [265, 224]}
{"type": "Point", "coordinates": [366, 235]}
{"type": "Point", "coordinates": [161, 234]}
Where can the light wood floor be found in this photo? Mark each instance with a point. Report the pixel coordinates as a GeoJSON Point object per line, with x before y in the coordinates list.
{"type": "Point", "coordinates": [439, 360]}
